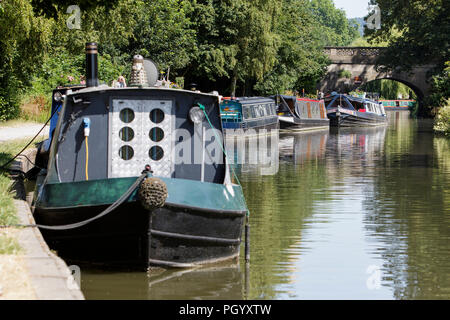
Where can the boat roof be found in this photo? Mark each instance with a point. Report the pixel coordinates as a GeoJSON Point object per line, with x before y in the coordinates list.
{"type": "Point", "coordinates": [248, 100]}
{"type": "Point", "coordinates": [103, 88]}
{"type": "Point", "coordinates": [351, 98]}
{"type": "Point", "coordinates": [286, 97]}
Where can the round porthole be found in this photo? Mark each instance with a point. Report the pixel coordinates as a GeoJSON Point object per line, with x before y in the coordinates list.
{"type": "Point", "coordinates": [126, 115]}
{"type": "Point", "coordinates": [156, 153]}
{"type": "Point", "coordinates": [126, 152]}
{"type": "Point", "coordinates": [156, 115]}
{"type": "Point", "coordinates": [156, 134]}
{"type": "Point", "coordinates": [126, 134]}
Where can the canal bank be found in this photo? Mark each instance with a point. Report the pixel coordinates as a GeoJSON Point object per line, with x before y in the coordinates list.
{"type": "Point", "coordinates": [29, 269]}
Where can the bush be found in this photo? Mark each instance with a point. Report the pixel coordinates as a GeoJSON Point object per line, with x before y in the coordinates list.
{"type": "Point", "coordinates": [442, 120]}
{"type": "Point", "coordinates": [345, 74]}
{"type": "Point", "coordinates": [8, 109]}
{"type": "Point", "coordinates": [440, 88]}
{"type": "Point", "coordinates": [58, 70]}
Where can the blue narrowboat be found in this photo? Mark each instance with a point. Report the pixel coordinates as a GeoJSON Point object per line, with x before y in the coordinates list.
{"type": "Point", "coordinates": [248, 115]}
{"type": "Point", "coordinates": [346, 111]}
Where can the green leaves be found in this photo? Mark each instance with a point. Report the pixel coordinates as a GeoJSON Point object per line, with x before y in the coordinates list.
{"type": "Point", "coordinates": [418, 32]}
{"type": "Point", "coordinates": [24, 40]}
{"type": "Point", "coordinates": [244, 46]}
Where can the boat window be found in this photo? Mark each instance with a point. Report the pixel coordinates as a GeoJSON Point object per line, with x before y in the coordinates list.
{"type": "Point", "coordinates": [126, 134]}
{"type": "Point", "coordinates": [247, 112]}
{"type": "Point", "coordinates": [254, 112]}
{"type": "Point", "coordinates": [259, 112]}
{"type": "Point", "coordinates": [156, 153]}
{"type": "Point", "coordinates": [156, 134]}
{"type": "Point", "coordinates": [268, 111]}
{"type": "Point", "coordinates": [157, 115]}
{"type": "Point", "coordinates": [126, 115]}
{"type": "Point", "coordinates": [126, 152]}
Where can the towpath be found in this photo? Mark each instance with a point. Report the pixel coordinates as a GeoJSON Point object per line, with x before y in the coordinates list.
{"type": "Point", "coordinates": [21, 130]}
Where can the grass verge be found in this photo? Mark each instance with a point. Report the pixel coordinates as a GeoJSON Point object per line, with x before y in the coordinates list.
{"type": "Point", "coordinates": [14, 279]}
{"type": "Point", "coordinates": [8, 215]}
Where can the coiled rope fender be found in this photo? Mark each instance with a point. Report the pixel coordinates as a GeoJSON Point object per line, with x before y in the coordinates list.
{"type": "Point", "coordinates": [152, 193]}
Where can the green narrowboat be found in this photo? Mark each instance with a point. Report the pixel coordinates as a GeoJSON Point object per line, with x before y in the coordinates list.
{"type": "Point", "coordinates": [137, 177]}
{"type": "Point", "coordinates": [397, 105]}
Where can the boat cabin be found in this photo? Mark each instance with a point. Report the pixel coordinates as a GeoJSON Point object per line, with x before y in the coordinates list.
{"type": "Point", "coordinates": [248, 113]}
{"type": "Point", "coordinates": [355, 104]}
{"type": "Point", "coordinates": [302, 108]}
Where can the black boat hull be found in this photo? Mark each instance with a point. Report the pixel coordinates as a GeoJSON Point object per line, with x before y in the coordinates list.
{"type": "Point", "coordinates": [339, 119]}
{"type": "Point", "coordinates": [293, 123]}
{"type": "Point", "coordinates": [131, 237]}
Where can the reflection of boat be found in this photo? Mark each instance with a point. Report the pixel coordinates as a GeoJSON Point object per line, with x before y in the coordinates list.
{"type": "Point", "coordinates": [303, 146]}
{"type": "Point", "coordinates": [221, 283]}
{"type": "Point", "coordinates": [254, 154]}
{"type": "Point", "coordinates": [396, 119]}
{"type": "Point", "coordinates": [356, 141]}
{"type": "Point", "coordinates": [344, 110]}
{"type": "Point", "coordinates": [248, 115]}
{"type": "Point", "coordinates": [206, 283]}
{"type": "Point", "coordinates": [301, 113]}
{"type": "Point", "coordinates": [104, 204]}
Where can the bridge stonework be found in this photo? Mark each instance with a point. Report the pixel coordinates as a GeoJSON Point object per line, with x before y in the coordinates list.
{"type": "Point", "coordinates": [360, 62]}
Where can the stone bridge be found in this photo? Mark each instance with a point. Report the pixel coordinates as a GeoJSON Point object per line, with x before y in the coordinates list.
{"type": "Point", "coordinates": [359, 62]}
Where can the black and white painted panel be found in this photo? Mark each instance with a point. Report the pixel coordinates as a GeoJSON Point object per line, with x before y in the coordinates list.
{"type": "Point", "coordinates": [140, 133]}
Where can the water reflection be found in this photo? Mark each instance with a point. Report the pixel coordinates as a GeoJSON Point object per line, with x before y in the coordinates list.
{"type": "Point", "coordinates": [303, 146]}
{"type": "Point", "coordinates": [280, 207]}
{"type": "Point", "coordinates": [254, 155]}
{"type": "Point", "coordinates": [411, 220]}
{"type": "Point", "coordinates": [360, 213]}
{"type": "Point", "coordinates": [211, 283]}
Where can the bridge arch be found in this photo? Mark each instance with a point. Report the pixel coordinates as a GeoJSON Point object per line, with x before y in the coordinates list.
{"type": "Point", "coordinates": [351, 67]}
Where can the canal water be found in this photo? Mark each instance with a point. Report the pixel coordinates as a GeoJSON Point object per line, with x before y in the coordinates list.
{"type": "Point", "coordinates": [350, 214]}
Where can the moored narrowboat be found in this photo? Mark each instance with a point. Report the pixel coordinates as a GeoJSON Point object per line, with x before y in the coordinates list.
{"type": "Point", "coordinates": [136, 177]}
{"type": "Point", "coordinates": [345, 110]}
{"type": "Point", "coordinates": [301, 114]}
{"type": "Point", "coordinates": [248, 115]}
{"type": "Point", "coordinates": [397, 105]}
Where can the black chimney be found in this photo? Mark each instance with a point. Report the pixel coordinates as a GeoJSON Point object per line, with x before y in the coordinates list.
{"type": "Point", "coordinates": [91, 64]}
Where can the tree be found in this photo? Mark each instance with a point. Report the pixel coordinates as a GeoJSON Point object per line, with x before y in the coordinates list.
{"type": "Point", "coordinates": [23, 43]}
{"type": "Point", "coordinates": [300, 61]}
{"type": "Point", "coordinates": [421, 37]}
{"type": "Point", "coordinates": [422, 28]}
{"type": "Point", "coordinates": [335, 29]}
{"type": "Point", "coordinates": [163, 33]}
{"type": "Point", "coordinates": [236, 39]}
{"type": "Point", "coordinates": [51, 9]}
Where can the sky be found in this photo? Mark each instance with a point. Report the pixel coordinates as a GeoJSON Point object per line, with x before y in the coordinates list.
{"type": "Point", "coordinates": [353, 8]}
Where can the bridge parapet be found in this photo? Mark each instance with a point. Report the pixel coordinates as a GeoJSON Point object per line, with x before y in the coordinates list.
{"type": "Point", "coordinates": [352, 55]}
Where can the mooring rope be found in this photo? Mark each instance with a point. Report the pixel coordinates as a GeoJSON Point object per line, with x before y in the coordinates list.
{"type": "Point", "coordinates": [111, 208]}
{"type": "Point", "coordinates": [3, 167]}
{"type": "Point", "coordinates": [247, 222]}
